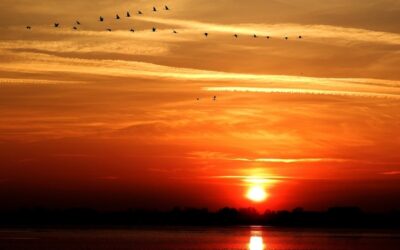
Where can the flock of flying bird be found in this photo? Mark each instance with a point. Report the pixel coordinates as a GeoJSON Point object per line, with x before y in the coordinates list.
{"type": "Point", "coordinates": [154, 29]}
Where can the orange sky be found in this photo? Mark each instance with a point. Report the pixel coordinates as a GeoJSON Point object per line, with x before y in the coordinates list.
{"type": "Point", "coordinates": [111, 120]}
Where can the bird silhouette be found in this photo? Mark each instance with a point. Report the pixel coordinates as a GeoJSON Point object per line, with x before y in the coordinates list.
{"type": "Point", "coordinates": [300, 37]}
{"type": "Point", "coordinates": [268, 37]}
{"type": "Point", "coordinates": [132, 30]}
{"type": "Point", "coordinates": [198, 99]}
{"type": "Point", "coordinates": [117, 17]}
{"type": "Point", "coordinates": [75, 28]}
{"type": "Point", "coordinates": [174, 31]}
{"type": "Point", "coordinates": [286, 38]}
{"type": "Point", "coordinates": [140, 13]}
{"type": "Point", "coordinates": [154, 9]}
{"type": "Point", "coordinates": [78, 23]}
{"type": "Point", "coordinates": [56, 25]}
{"type": "Point", "coordinates": [235, 35]}
{"type": "Point", "coordinates": [109, 30]}
{"type": "Point", "coordinates": [206, 34]}
{"type": "Point", "coordinates": [28, 27]}
{"type": "Point", "coordinates": [154, 29]}
{"type": "Point", "coordinates": [255, 36]}
{"type": "Point", "coordinates": [101, 19]}
{"type": "Point", "coordinates": [128, 14]}
{"type": "Point", "coordinates": [166, 7]}
{"type": "Point", "coordinates": [215, 98]}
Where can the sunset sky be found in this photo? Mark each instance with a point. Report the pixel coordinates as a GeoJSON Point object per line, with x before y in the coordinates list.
{"type": "Point", "coordinates": [111, 119]}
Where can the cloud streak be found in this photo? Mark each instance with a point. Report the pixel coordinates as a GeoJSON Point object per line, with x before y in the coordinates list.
{"type": "Point", "coordinates": [289, 29]}
{"type": "Point", "coordinates": [303, 91]}
{"type": "Point", "coordinates": [294, 160]}
{"type": "Point", "coordinates": [39, 62]}
{"type": "Point", "coordinates": [20, 81]}
{"type": "Point", "coordinates": [391, 173]}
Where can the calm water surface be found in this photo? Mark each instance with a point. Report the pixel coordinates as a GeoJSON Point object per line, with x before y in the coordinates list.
{"type": "Point", "coordinates": [233, 238]}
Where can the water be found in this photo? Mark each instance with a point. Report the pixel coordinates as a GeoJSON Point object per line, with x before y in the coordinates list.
{"type": "Point", "coordinates": [232, 238]}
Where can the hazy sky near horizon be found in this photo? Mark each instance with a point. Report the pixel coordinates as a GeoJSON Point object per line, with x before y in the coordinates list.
{"type": "Point", "coordinates": [112, 120]}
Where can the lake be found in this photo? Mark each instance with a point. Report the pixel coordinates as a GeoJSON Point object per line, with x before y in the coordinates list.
{"type": "Point", "coordinates": [199, 238]}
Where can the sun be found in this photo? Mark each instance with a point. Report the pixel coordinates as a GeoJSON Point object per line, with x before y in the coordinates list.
{"type": "Point", "coordinates": [256, 194]}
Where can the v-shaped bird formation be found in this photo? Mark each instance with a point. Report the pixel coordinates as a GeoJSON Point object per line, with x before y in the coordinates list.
{"type": "Point", "coordinates": [77, 24]}
{"type": "Point", "coordinates": [154, 29]}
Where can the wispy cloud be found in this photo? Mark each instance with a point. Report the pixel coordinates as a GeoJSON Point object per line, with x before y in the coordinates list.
{"type": "Point", "coordinates": [303, 91]}
{"type": "Point", "coordinates": [29, 62]}
{"type": "Point", "coordinates": [287, 29]}
{"type": "Point", "coordinates": [223, 156]}
{"type": "Point", "coordinates": [391, 173]}
{"type": "Point", "coordinates": [294, 160]}
{"type": "Point", "coordinates": [256, 179]}
{"type": "Point", "coordinates": [117, 42]}
{"type": "Point", "coordinates": [108, 178]}
{"type": "Point", "coordinates": [36, 81]}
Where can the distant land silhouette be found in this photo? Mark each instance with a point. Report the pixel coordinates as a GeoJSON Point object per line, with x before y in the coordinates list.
{"type": "Point", "coordinates": [336, 217]}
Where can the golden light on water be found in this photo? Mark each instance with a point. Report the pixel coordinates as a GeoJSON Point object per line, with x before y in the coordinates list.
{"type": "Point", "coordinates": [152, 131]}
{"type": "Point", "coordinates": [256, 243]}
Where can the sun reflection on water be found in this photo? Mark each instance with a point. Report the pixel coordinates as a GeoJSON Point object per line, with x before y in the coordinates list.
{"type": "Point", "coordinates": [256, 241]}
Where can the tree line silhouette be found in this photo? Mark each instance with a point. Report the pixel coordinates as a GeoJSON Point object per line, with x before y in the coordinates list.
{"type": "Point", "coordinates": [345, 217]}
